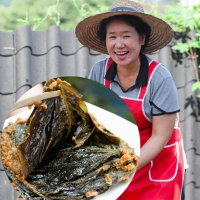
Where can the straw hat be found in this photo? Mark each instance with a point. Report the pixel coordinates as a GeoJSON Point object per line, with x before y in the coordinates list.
{"type": "Point", "coordinates": [161, 33]}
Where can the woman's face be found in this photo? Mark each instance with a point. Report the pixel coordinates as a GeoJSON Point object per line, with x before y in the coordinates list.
{"type": "Point", "coordinates": [123, 43]}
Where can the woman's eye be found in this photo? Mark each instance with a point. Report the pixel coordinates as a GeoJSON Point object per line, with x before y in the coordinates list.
{"type": "Point", "coordinates": [112, 37]}
{"type": "Point", "coordinates": [126, 36]}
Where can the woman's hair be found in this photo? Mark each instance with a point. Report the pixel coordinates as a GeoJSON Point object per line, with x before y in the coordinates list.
{"type": "Point", "coordinates": [140, 26]}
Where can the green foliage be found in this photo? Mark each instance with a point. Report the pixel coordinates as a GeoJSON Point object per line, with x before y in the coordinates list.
{"type": "Point", "coordinates": [88, 9]}
{"type": "Point", "coordinates": [185, 22]}
{"type": "Point", "coordinates": [52, 16]}
{"type": "Point", "coordinates": [37, 13]}
{"type": "Point", "coordinates": [40, 14]}
{"type": "Point", "coordinates": [196, 88]}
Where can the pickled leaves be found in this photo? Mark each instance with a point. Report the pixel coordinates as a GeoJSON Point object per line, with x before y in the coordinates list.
{"type": "Point", "coordinates": [61, 152]}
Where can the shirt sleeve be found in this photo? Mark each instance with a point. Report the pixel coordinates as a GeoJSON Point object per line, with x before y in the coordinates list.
{"type": "Point", "coordinates": [164, 97]}
{"type": "Point", "coordinates": [97, 71]}
{"type": "Point", "coordinates": [93, 73]}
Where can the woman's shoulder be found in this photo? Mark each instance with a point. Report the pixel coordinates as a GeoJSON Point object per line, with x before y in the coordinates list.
{"type": "Point", "coordinates": [97, 71]}
{"type": "Point", "coordinates": [160, 71]}
{"type": "Point", "coordinates": [161, 79]}
{"type": "Point", "coordinates": [162, 91]}
{"type": "Point", "coordinates": [101, 63]}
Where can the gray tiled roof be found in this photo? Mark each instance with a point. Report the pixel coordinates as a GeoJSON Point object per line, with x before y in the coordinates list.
{"type": "Point", "coordinates": [28, 58]}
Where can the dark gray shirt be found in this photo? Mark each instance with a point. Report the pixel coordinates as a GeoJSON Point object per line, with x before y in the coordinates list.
{"type": "Point", "coordinates": [161, 96]}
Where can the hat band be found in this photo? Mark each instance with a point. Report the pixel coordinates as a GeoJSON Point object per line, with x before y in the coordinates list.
{"type": "Point", "coordinates": [117, 9]}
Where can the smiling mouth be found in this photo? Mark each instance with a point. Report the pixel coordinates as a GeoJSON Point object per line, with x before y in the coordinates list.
{"type": "Point", "coordinates": [121, 53]}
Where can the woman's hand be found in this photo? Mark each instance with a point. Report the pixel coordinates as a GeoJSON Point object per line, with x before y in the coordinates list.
{"type": "Point", "coordinates": [161, 132]}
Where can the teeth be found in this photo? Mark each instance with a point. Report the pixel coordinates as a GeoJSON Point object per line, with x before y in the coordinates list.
{"type": "Point", "coordinates": [121, 53]}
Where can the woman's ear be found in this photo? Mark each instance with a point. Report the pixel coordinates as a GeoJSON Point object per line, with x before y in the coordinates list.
{"type": "Point", "coordinates": [142, 39]}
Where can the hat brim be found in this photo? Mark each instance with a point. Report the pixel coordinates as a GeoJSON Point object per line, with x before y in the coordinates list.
{"type": "Point", "coordinates": [86, 31]}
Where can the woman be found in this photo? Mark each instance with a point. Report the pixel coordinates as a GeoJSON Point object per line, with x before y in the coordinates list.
{"type": "Point", "coordinates": [126, 33]}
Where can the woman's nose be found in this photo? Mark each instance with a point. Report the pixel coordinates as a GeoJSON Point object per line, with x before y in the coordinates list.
{"type": "Point", "coordinates": [119, 43]}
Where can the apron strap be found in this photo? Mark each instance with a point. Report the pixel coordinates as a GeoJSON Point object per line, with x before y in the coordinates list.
{"type": "Point", "coordinates": [108, 64]}
{"type": "Point", "coordinates": [143, 89]}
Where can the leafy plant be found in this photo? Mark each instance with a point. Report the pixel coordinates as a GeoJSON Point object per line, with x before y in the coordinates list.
{"type": "Point", "coordinates": [52, 15]}
{"type": "Point", "coordinates": [40, 14]}
{"type": "Point", "coordinates": [186, 25]}
{"type": "Point", "coordinates": [87, 9]}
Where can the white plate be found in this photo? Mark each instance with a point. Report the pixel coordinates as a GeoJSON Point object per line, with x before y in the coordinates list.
{"type": "Point", "coordinates": [119, 126]}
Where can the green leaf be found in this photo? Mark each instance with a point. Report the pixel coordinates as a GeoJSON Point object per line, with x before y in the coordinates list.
{"type": "Point", "coordinates": [22, 21]}
{"type": "Point", "coordinates": [196, 86]}
{"type": "Point", "coordinates": [181, 47]}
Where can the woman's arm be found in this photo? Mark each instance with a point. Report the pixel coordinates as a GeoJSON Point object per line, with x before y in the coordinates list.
{"type": "Point", "coordinates": [161, 131]}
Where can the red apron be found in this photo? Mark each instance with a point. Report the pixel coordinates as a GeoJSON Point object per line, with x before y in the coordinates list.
{"type": "Point", "coordinates": [162, 178]}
